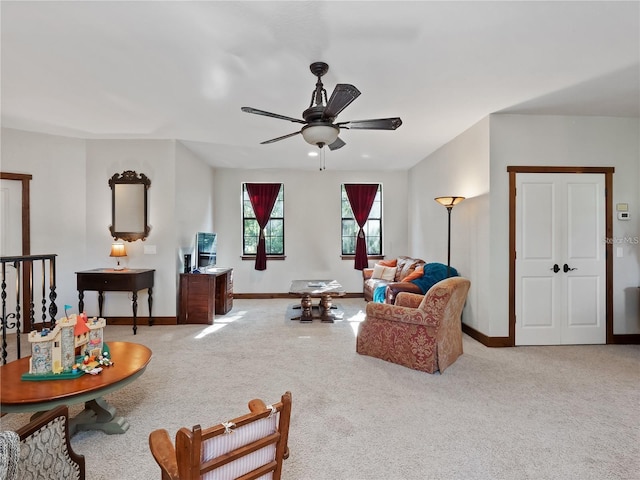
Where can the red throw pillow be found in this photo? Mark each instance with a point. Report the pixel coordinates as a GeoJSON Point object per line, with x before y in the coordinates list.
{"type": "Point", "coordinates": [417, 273]}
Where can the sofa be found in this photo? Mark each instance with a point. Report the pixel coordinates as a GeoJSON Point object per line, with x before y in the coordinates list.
{"type": "Point", "coordinates": [393, 280]}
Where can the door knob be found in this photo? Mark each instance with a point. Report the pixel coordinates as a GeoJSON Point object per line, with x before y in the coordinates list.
{"type": "Point", "coordinates": [566, 268]}
{"type": "Point", "coordinates": [555, 268]}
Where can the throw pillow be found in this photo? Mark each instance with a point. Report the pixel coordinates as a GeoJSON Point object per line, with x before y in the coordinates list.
{"type": "Point", "coordinates": [389, 263]}
{"type": "Point", "coordinates": [385, 273]}
{"type": "Point", "coordinates": [417, 273]}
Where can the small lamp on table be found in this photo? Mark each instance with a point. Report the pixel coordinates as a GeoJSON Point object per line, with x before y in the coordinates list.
{"type": "Point", "coordinates": [118, 250]}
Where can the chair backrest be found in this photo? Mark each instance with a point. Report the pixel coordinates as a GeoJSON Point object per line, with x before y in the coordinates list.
{"type": "Point", "coordinates": [9, 455]}
{"type": "Point", "coordinates": [249, 447]}
{"type": "Point", "coordinates": [47, 436]}
{"type": "Point", "coordinates": [444, 303]}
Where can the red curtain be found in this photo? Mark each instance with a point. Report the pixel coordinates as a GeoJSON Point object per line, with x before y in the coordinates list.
{"type": "Point", "coordinates": [361, 198]}
{"type": "Point", "coordinates": [263, 197]}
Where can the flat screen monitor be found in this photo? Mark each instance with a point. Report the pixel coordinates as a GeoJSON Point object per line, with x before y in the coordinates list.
{"type": "Point", "coordinates": [205, 250]}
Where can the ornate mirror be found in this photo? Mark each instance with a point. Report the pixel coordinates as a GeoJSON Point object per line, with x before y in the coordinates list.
{"type": "Point", "coordinates": [129, 206]}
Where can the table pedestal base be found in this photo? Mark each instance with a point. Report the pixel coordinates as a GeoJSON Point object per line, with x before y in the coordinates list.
{"type": "Point", "coordinates": [325, 306]}
{"type": "Point", "coordinates": [98, 415]}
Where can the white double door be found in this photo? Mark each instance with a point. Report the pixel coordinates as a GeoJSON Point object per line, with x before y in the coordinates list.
{"type": "Point", "coordinates": [560, 259]}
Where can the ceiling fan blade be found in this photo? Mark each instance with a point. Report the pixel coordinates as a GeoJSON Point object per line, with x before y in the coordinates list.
{"type": "Point", "coordinates": [341, 97]}
{"type": "Point", "coordinates": [374, 124]}
{"type": "Point", "coordinates": [280, 138]}
{"type": "Point", "coordinates": [337, 144]}
{"type": "Point", "coordinates": [269, 114]}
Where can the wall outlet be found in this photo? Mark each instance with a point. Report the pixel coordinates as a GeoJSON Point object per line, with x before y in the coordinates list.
{"type": "Point", "coordinates": [149, 249]}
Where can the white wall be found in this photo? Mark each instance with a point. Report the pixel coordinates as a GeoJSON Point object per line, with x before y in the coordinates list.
{"type": "Point", "coordinates": [312, 226]}
{"type": "Point", "coordinates": [154, 158]}
{"type": "Point", "coordinates": [459, 168]}
{"type": "Point", "coordinates": [71, 211]}
{"type": "Point", "coordinates": [474, 165]}
{"type": "Point", "coordinates": [58, 201]}
{"type": "Point", "coordinates": [194, 201]}
{"type": "Point", "coordinates": [567, 140]}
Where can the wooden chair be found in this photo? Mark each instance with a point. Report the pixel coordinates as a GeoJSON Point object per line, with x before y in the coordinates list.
{"type": "Point", "coordinates": [47, 436]}
{"type": "Point", "coordinates": [248, 447]}
{"type": "Point", "coordinates": [423, 332]}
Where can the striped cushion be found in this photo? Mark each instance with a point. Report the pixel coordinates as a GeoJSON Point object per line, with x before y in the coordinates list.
{"type": "Point", "coordinates": [238, 437]}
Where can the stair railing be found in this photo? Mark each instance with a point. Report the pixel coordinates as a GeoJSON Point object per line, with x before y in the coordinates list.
{"type": "Point", "coordinates": [24, 292]}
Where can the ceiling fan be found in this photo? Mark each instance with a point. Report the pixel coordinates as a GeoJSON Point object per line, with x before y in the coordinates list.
{"type": "Point", "coordinates": [318, 120]}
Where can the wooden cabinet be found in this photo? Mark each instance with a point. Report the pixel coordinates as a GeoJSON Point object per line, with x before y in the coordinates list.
{"type": "Point", "coordinates": [203, 295]}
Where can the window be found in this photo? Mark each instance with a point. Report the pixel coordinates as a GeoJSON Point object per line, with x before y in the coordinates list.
{"type": "Point", "coordinates": [372, 228]}
{"type": "Point", "coordinates": [274, 232]}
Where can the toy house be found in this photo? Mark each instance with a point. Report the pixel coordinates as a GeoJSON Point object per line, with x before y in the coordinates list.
{"type": "Point", "coordinates": [54, 351]}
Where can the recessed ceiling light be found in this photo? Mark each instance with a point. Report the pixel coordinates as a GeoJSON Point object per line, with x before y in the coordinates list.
{"type": "Point", "coordinates": [313, 153]}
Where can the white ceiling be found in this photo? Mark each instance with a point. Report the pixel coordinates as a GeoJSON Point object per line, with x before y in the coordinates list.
{"type": "Point", "coordinates": [182, 70]}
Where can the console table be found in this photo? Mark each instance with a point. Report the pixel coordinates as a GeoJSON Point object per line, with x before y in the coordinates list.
{"type": "Point", "coordinates": [111, 280]}
{"type": "Point", "coordinates": [202, 295]}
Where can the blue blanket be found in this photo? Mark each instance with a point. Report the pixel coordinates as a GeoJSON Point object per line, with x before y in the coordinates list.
{"type": "Point", "coordinates": [379, 293]}
{"type": "Point", "coordinates": [433, 273]}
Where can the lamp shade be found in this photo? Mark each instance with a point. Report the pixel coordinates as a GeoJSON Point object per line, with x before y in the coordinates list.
{"type": "Point", "coordinates": [449, 202]}
{"type": "Point", "coordinates": [118, 250]}
{"type": "Point", "coordinates": [320, 135]}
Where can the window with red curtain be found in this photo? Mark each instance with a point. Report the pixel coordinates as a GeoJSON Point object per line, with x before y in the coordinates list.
{"type": "Point", "coordinates": [372, 227]}
{"type": "Point", "coordinates": [361, 199]}
{"type": "Point", "coordinates": [263, 221]}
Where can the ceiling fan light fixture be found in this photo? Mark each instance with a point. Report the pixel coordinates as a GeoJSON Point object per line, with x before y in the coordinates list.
{"type": "Point", "coordinates": [320, 135]}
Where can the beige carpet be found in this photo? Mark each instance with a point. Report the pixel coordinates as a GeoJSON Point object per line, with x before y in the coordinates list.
{"type": "Point", "coordinates": [520, 413]}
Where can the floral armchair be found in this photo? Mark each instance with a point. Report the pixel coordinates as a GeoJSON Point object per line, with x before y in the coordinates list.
{"type": "Point", "coordinates": [422, 332]}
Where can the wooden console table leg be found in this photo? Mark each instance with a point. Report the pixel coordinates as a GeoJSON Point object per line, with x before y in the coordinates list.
{"type": "Point", "coordinates": [100, 303]}
{"type": "Point", "coordinates": [81, 301]}
{"type": "Point", "coordinates": [135, 312]}
{"type": "Point", "coordinates": [150, 305]}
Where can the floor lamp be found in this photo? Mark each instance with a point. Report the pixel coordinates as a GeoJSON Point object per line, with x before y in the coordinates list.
{"type": "Point", "coordinates": [449, 203]}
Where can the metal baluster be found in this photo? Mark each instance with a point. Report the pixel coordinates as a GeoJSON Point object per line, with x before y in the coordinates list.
{"type": "Point", "coordinates": [32, 311]}
{"type": "Point", "coordinates": [18, 266]}
{"type": "Point", "coordinates": [4, 314]}
{"type": "Point", "coordinates": [44, 295]}
{"type": "Point", "coordinates": [53, 310]}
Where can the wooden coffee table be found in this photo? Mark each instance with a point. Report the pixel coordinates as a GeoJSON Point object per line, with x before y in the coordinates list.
{"type": "Point", "coordinates": [19, 396]}
{"type": "Point", "coordinates": [323, 289]}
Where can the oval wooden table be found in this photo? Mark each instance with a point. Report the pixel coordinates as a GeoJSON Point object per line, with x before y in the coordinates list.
{"type": "Point", "coordinates": [18, 396]}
